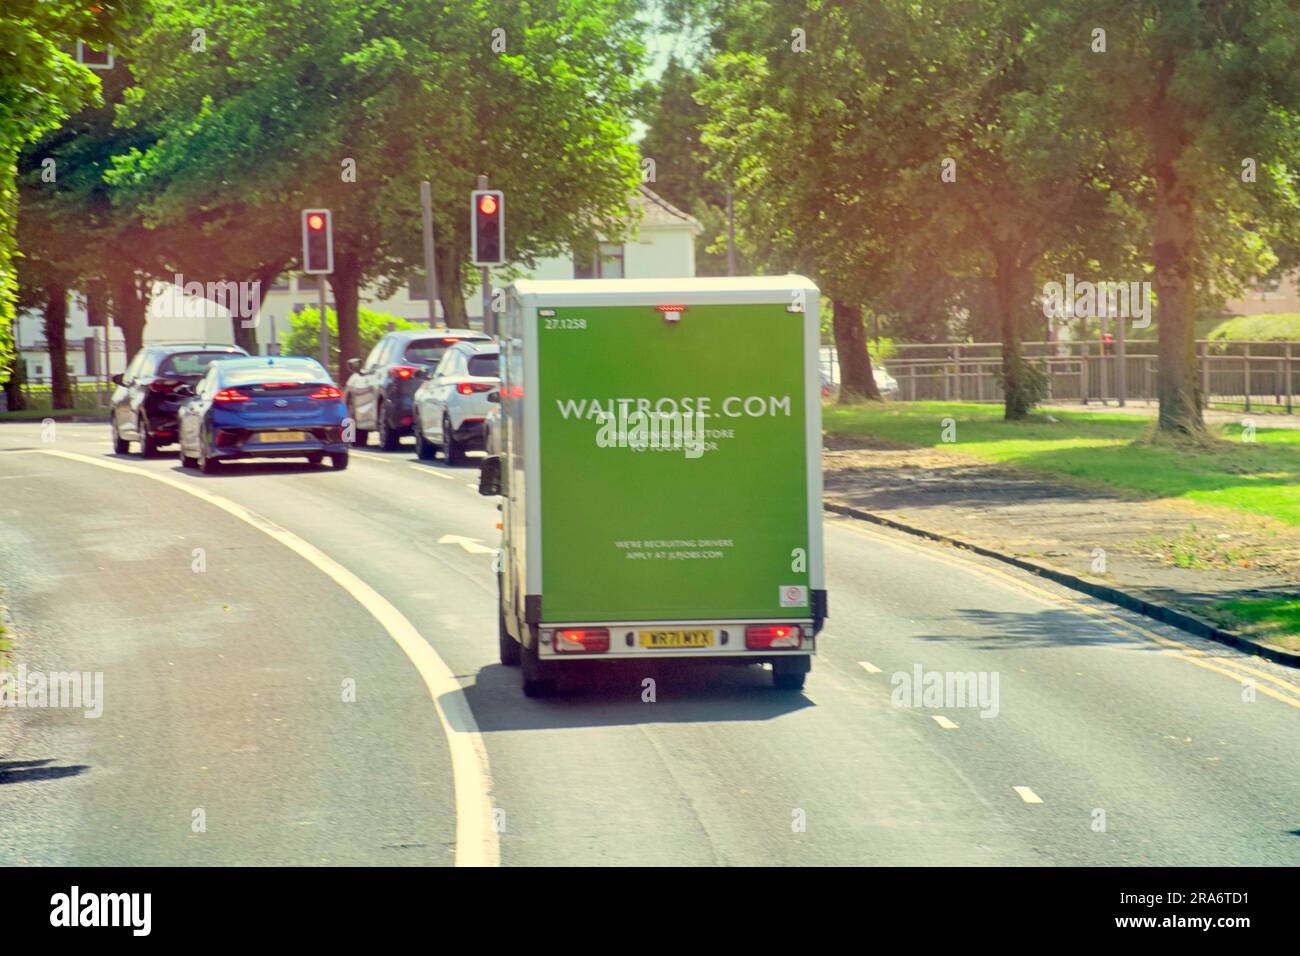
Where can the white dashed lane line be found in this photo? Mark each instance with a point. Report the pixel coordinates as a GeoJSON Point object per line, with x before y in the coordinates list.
{"type": "Point", "coordinates": [1027, 795]}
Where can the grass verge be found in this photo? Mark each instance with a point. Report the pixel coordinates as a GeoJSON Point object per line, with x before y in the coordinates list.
{"type": "Point", "coordinates": [1274, 620]}
{"type": "Point", "coordinates": [1259, 477]}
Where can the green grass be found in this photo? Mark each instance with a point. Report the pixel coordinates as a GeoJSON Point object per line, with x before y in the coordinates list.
{"type": "Point", "coordinates": [1260, 477]}
{"type": "Point", "coordinates": [1269, 327]}
{"type": "Point", "coordinates": [1276, 620]}
{"type": "Point", "coordinates": [40, 414]}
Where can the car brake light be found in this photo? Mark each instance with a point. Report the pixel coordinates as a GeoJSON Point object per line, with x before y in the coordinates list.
{"type": "Point", "coordinates": [402, 371]}
{"type": "Point", "coordinates": [582, 639]}
{"type": "Point", "coordinates": [469, 388]}
{"type": "Point", "coordinates": [230, 395]}
{"type": "Point", "coordinates": [773, 636]}
{"type": "Point", "coordinates": [327, 391]}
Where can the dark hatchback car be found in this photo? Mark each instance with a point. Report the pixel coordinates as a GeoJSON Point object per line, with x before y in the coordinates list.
{"type": "Point", "coordinates": [378, 393]}
{"type": "Point", "coordinates": [145, 402]}
{"type": "Point", "coordinates": [270, 407]}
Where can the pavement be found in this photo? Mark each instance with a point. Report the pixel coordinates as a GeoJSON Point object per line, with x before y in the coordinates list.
{"type": "Point", "coordinates": [281, 701]}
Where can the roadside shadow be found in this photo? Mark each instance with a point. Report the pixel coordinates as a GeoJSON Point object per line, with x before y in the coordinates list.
{"type": "Point", "coordinates": [614, 693]}
{"type": "Point", "coordinates": [32, 771]}
{"type": "Point", "coordinates": [1012, 630]}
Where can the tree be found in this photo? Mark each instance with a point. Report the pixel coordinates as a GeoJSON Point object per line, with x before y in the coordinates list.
{"type": "Point", "coordinates": [304, 335]}
{"type": "Point", "coordinates": [271, 120]}
{"type": "Point", "coordinates": [1208, 96]}
{"type": "Point", "coordinates": [40, 84]}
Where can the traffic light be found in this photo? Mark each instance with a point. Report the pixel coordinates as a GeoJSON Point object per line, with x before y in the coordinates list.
{"type": "Point", "coordinates": [488, 227]}
{"type": "Point", "coordinates": [317, 241]}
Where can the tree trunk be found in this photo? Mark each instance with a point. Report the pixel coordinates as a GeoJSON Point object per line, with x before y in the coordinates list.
{"type": "Point", "coordinates": [1179, 381]}
{"type": "Point", "coordinates": [856, 378]}
{"type": "Point", "coordinates": [56, 341]}
{"type": "Point", "coordinates": [128, 308]}
{"type": "Point", "coordinates": [1008, 280]}
{"type": "Point", "coordinates": [451, 291]}
{"type": "Point", "coordinates": [345, 283]}
{"type": "Point", "coordinates": [15, 400]}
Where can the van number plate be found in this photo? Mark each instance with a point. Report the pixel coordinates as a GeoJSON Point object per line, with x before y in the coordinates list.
{"type": "Point", "coordinates": [676, 638]}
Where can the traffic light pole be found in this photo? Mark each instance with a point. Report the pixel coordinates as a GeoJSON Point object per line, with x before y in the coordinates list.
{"type": "Point", "coordinates": [485, 278]}
{"type": "Point", "coordinates": [324, 328]}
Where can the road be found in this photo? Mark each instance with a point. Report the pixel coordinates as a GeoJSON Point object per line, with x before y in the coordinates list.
{"type": "Point", "coordinates": [299, 667]}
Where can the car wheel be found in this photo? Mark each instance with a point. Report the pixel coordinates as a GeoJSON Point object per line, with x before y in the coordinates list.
{"type": "Point", "coordinates": [339, 461]}
{"type": "Point", "coordinates": [455, 450]}
{"type": "Point", "coordinates": [315, 460]}
{"type": "Point", "coordinates": [207, 465]}
{"type": "Point", "coordinates": [120, 445]}
{"type": "Point", "coordinates": [388, 439]}
{"type": "Point", "coordinates": [508, 647]}
{"type": "Point", "coordinates": [425, 450]}
{"type": "Point", "coordinates": [148, 444]}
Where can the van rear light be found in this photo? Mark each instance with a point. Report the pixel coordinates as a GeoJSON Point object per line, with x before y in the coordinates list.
{"type": "Point", "coordinates": [327, 391]}
{"type": "Point", "coordinates": [773, 637]}
{"type": "Point", "coordinates": [402, 371]}
{"type": "Point", "coordinates": [163, 384]}
{"type": "Point", "coordinates": [582, 640]}
{"type": "Point", "coordinates": [469, 388]}
{"type": "Point", "coordinates": [230, 395]}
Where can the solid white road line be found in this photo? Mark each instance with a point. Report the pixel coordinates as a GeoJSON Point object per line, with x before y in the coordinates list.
{"type": "Point", "coordinates": [869, 667]}
{"type": "Point", "coordinates": [476, 838]}
{"type": "Point", "coordinates": [425, 470]}
{"type": "Point", "coordinates": [944, 722]}
{"type": "Point", "coordinates": [1027, 795]}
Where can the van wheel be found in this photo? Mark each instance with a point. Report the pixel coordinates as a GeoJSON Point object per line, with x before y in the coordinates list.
{"type": "Point", "coordinates": [186, 460]}
{"type": "Point", "coordinates": [120, 445]}
{"type": "Point", "coordinates": [789, 673]}
{"type": "Point", "coordinates": [507, 645]}
{"type": "Point", "coordinates": [538, 679]}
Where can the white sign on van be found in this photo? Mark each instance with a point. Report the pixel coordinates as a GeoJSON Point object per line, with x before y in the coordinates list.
{"type": "Point", "coordinates": [793, 595]}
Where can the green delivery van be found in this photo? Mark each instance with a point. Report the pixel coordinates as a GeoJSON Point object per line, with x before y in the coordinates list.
{"type": "Point", "coordinates": [658, 458]}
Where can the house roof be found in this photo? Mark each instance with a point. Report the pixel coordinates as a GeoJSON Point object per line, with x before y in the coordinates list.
{"type": "Point", "coordinates": [657, 211]}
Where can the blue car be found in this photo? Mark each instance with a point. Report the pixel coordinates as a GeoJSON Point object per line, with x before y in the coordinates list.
{"type": "Point", "coordinates": [269, 407]}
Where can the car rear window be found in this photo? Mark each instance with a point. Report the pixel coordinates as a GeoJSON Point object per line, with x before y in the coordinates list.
{"type": "Point", "coordinates": [262, 374]}
{"type": "Point", "coordinates": [429, 351]}
{"type": "Point", "coordinates": [483, 366]}
{"type": "Point", "coordinates": [192, 364]}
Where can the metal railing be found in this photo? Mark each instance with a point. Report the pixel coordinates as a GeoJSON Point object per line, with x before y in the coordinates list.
{"type": "Point", "coordinates": [1250, 375]}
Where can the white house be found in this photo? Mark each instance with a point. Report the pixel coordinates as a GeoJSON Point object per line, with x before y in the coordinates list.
{"type": "Point", "coordinates": [663, 246]}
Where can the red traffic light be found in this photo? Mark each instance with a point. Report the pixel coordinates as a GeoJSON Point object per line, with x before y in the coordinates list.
{"type": "Point", "coordinates": [487, 205]}
{"type": "Point", "coordinates": [316, 221]}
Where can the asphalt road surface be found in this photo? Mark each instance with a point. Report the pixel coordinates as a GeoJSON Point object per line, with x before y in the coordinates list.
{"type": "Point", "coordinates": [299, 667]}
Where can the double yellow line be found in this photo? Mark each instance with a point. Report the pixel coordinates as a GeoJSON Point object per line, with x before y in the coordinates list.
{"type": "Point", "coordinates": [1276, 687]}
